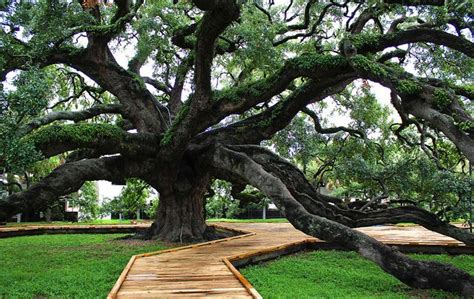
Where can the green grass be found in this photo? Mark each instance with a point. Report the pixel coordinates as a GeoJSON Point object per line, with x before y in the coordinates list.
{"type": "Point", "coordinates": [65, 266]}
{"type": "Point", "coordinates": [273, 220]}
{"type": "Point", "coordinates": [91, 222]}
{"type": "Point", "coordinates": [338, 274]}
{"type": "Point", "coordinates": [117, 221]}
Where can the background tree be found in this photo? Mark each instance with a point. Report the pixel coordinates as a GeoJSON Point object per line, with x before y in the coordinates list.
{"type": "Point", "coordinates": [132, 200]}
{"type": "Point", "coordinates": [221, 77]}
{"type": "Point", "coordinates": [87, 200]}
{"type": "Point", "coordinates": [221, 204]}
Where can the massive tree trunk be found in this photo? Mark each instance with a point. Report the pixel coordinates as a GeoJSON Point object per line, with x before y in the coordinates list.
{"type": "Point", "coordinates": [180, 216]}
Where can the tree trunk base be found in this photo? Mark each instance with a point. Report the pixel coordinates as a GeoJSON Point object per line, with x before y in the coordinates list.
{"type": "Point", "coordinates": [210, 234]}
{"type": "Point", "coordinates": [180, 218]}
{"type": "Point", "coordinates": [176, 233]}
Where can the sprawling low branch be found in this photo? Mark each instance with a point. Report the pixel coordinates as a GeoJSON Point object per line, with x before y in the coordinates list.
{"type": "Point", "coordinates": [104, 138]}
{"type": "Point", "coordinates": [75, 116]}
{"type": "Point", "coordinates": [374, 43]}
{"type": "Point", "coordinates": [321, 205]}
{"type": "Point", "coordinates": [69, 178]}
{"type": "Point", "coordinates": [418, 274]}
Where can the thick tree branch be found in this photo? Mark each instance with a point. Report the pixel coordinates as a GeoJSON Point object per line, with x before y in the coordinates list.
{"type": "Point", "coordinates": [419, 274]}
{"type": "Point", "coordinates": [68, 178]}
{"type": "Point", "coordinates": [75, 116]}
{"type": "Point", "coordinates": [220, 15]}
{"type": "Point", "coordinates": [320, 129]}
{"type": "Point", "coordinates": [104, 138]}
{"type": "Point", "coordinates": [156, 84]}
{"type": "Point", "coordinates": [375, 43]}
{"type": "Point", "coordinates": [319, 204]}
{"type": "Point", "coordinates": [367, 15]}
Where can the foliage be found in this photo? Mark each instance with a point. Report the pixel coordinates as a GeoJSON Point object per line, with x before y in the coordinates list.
{"type": "Point", "coordinates": [131, 199]}
{"type": "Point", "coordinates": [87, 200]}
{"type": "Point", "coordinates": [357, 168]}
{"type": "Point", "coordinates": [18, 106]}
{"type": "Point", "coordinates": [297, 142]}
{"type": "Point", "coordinates": [152, 208]}
{"type": "Point", "coordinates": [221, 204]}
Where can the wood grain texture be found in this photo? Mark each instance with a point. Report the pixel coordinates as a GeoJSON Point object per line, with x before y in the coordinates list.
{"type": "Point", "coordinates": [207, 269]}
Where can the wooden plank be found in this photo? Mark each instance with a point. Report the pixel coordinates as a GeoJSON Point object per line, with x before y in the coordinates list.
{"type": "Point", "coordinates": [248, 286]}
{"type": "Point", "coordinates": [209, 268]}
{"type": "Point", "coordinates": [120, 280]}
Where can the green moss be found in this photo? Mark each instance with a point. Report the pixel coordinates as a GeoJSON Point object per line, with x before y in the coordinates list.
{"type": "Point", "coordinates": [168, 135]}
{"type": "Point", "coordinates": [77, 133]}
{"type": "Point", "coordinates": [368, 66]}
{"type": "Point", "coordinates": [264, 123]}
{"type": "Point", "coordinates": [362, 40]}
{"type": "Point", "coordinates": [409, 87]}
{"type": "Point", "coordinates": [273, 115]}
{"type": "Point", "coordinates": [442, 99]}
{"type": "Point", "coordinates": [233, 94]}
{"type": "Point", "coordinates": [310, 62]}
{"type": "Point", "coordinates": [465, 125]}
{"type": "Point", "coordinates": [305, 62]}
{"type": "Point", "coordinates": [137, 81]}
{"type": "Point", "coordinates": [468, 88]}
{"type": "Point", "coordinates": [250, 89]}
{"type": "Point", "coordinates": [397, 68]}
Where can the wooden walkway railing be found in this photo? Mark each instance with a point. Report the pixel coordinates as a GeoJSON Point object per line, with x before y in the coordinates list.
{"type": "Point", "coordinates": [208, 269]}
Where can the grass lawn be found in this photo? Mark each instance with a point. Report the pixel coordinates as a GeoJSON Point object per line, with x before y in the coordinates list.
{"type": "Point", "coordinates": [338, 274]}
{"type": "Point", "coordinates": [65, 266]}
{"type": "Point", "coordinates": [272, 220]}
{"type": "Point", "coordinates": [91, 222]}
{"type": "Point", "coordinates": [117, 221]}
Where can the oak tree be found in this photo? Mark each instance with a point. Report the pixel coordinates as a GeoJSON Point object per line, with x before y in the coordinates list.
{"type": "Point", "coordinates": [208, 81]}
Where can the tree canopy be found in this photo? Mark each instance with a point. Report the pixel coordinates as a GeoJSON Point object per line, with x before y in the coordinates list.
{"type": "Point", "coordinates": [180, 93]}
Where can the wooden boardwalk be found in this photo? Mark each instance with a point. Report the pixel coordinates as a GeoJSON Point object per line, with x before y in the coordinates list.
{"type": "Point", "coordinates": [206, 269]}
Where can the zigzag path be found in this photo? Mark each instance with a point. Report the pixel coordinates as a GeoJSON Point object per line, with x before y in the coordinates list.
{"type": "Point", "coordinates": [206, 269]}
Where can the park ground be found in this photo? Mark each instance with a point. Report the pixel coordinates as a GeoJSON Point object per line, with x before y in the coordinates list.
{"type": "Point", "coordinates": [87, 266]}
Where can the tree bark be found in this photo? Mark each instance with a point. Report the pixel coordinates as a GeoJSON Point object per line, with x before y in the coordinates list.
{"type": "Point", "coordinates": [180, 216]}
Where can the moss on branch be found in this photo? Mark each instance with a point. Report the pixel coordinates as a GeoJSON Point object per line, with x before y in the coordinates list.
{"type": "Point", "coordinates": [369, 67]}
{"type": "Point", "coordinates": [297, 67]}
{"type": "Point", "coordinates": [313, 62]}
{"type": "Point", "coordinates": [408, 87]}
{"type": "Point", "coordinates": [361, 40]}
{"type": "Point", "coordinates": [442, 99]}
{"type": "Point", "coordinates": [168, 135]}
{"type": "Point", "coordinates": [76, 133]}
